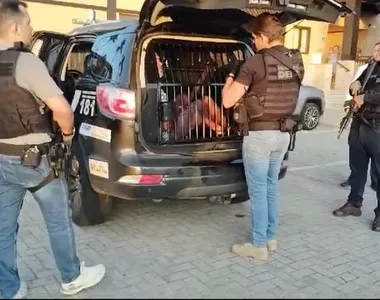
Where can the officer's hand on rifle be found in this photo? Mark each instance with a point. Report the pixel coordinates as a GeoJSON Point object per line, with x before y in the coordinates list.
{"type": "Point", "coordinates": [347, 104]}
{"type": "Point", "coordinates": [359, 100]}
{"type": "Point", "coordinates": [355, 88]}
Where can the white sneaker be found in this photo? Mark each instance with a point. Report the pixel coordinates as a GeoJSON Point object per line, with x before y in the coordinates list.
{"type": "Point", "coordinates": [21, 293]}
{"type": "Point", "coordinates": [89, 276]}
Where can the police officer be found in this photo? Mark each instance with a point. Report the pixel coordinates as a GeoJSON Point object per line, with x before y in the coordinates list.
{"type": "Point", "coordinates": [373, 179]}
{"type": "Point", "coordinates": [25, 137]}
{"type": "Point", "coordinates": [348, 98]}
{"type": "Point", "coordinates": [265, 90]}
{"type": "Point", "coordinates": [364, 140]}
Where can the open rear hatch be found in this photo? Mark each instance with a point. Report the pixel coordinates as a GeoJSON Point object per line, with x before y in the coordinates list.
{"type": "Point", "coordinates": [177, 56]}
{"type": "Point", "coordinates": [155, 12]}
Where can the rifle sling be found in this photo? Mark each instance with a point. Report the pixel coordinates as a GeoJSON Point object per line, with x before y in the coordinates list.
{"type": "Point", "coordinates": [44, 182]}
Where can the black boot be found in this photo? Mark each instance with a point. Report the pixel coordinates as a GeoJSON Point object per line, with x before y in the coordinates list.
{"type": "Point", "coordinates": [345, 183]}
{"type": "Point", "coordinates": [376, 224]}
{"type": "Point", "coordinates": [348, 210]}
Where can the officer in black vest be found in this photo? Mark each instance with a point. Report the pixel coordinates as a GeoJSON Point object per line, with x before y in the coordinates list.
{"type": "Point", "coordinates": [372, 175]}
{"type": "Point", "coordinates": [26, 141]}
{"type": "Point", "coordinates": [265, 93]}
{"type": "Point", "coordinates": [364, 140]}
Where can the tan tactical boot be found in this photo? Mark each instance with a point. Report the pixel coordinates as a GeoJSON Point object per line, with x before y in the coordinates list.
{"type": "Point", "coordinates": [248, 250]}
{"type": "Point", "coordinates": [272, 246]}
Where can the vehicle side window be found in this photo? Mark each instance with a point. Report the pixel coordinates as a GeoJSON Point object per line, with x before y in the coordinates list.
{"type": "Point", "coordinates": [36, 49]}
{"type": "Point", "coordinates": [48, 48]}
{"type": "Point", "coordinates": [77, 59]}
{"type": "Point", "coordinates": [53, 52]}
{"type": "Point", "coordinates": [74, 67]}
{"type": "Point", "coordinates": [110, 58]}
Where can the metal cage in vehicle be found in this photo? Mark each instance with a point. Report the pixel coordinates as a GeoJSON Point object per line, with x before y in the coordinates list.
{"type": "Point", "coordinates": [189, 77]}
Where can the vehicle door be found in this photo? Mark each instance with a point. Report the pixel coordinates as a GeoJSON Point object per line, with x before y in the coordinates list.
{"type": "Point", "coordinates": [76, 56]}
{"type": "Point", "coordinates": [109, 63]}
{"type": "Point", "coordinates": [49, 47]}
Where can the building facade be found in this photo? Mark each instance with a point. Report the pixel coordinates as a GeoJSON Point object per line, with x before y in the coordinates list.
{"type": "Point", "coordinates": [333, 52]}
{"type": "Point", "coordinates": [314, 39]}
{"type": "Point", "coordinates": [65, 15]}
{"type": "Point", "coordinates": [322, 44]}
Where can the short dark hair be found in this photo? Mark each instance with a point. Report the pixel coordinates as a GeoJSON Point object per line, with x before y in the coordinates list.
{"type": "Point", "coordinates": [10, 10]}
{"type": "Point", "coordinates": [267, 24]}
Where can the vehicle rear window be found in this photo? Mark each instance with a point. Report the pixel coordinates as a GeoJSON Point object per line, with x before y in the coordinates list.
{"type": "Point", "coordinates": [110, 58]}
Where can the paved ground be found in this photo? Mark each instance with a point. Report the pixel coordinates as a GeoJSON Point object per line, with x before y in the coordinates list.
{"type": "Point", "coordinates": [182, 249]}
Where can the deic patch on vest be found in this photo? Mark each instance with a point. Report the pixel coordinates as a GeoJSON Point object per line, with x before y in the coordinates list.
{"type": "Point", "coordinates": [284, 73]}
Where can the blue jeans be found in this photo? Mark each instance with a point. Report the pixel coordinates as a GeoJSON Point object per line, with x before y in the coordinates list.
{"type": "Point", "coordinates": [263, 152]}
{"type": "Point", "coordinates": [56, 209]}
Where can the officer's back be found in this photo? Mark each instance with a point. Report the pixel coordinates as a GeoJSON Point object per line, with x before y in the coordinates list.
{"type": "Point", "coordinates": [26, 91]}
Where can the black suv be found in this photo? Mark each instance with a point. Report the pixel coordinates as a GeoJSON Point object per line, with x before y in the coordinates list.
{"type": "Point", "coordinates": [147, 99]}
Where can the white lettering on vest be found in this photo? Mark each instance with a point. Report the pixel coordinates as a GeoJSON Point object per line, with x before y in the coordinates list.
{"type": "Point", "coordinates": [283, 73]}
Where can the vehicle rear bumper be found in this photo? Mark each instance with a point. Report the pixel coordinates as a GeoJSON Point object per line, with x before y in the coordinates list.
{"type": "Point", "coordinates": [189, 182]}
{"type": "Point", "coordinates": [182, 183]}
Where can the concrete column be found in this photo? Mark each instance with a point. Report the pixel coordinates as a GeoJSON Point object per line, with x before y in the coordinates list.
{"type": "Point", "coordinates": [351, 31]}
{"type": "Point", "coordinates": [111, 9]}
{"type": "Point", "coordinates": [372, 36]}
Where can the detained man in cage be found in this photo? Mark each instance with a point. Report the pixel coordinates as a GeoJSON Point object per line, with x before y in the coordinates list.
{"type": "Point", "coordinates": [191, 113]}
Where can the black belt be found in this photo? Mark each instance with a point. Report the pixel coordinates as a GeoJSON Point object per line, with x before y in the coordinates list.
{"type": "Point", "coordinates": [264, 125]}
{"type": "Point", "coordinates": [17, 150]}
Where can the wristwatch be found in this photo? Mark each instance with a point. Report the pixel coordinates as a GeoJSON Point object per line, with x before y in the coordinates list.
{"type": "Point", "coordinates": [70, 134]}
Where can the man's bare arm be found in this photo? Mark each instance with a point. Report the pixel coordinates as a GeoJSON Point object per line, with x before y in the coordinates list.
{"type": "Point", "coordinates": [33, 72]}
{"type": "Point", "coordinates": [62, 113]}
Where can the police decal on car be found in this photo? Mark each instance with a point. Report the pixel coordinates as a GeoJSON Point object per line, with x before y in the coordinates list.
{"type": "Point", "coordinates": [86, 100]}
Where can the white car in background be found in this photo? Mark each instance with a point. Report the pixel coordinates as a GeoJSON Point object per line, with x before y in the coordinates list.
{"type": "Point", "coordinates": [310, 107]}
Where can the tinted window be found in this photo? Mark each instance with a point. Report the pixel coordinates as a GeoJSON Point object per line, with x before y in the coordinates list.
{"type": "Point", "coordinates": [53, 52]}
{"type": "Point", "coordinates": [110, 58]}
{"type": "Point", "coordinates": [48, 48]}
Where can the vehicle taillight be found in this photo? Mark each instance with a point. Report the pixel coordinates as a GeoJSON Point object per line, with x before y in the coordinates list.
{"type": "Point", "coordinates": [142, 179]}
{"type": "Point", "coordinates": [116, 103]}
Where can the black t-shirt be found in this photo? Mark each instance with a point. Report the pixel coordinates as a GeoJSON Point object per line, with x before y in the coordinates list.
{"type": "Point", "coordinates": [253, 70]}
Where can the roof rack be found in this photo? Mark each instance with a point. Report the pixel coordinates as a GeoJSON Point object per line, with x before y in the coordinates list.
{"type": "Point", "coordinates": [100, 26]}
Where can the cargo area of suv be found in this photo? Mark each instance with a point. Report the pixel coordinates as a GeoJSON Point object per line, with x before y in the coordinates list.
{"type": "Point", "coordinates": [192, 70]}
{"type": "Point", "coordinates": [146, 95]}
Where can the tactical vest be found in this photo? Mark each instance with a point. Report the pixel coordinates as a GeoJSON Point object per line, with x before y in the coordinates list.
{"type": "Point", "coordinates": [20, 112]}
{"type": "Point", "coordinates": [275, 97]}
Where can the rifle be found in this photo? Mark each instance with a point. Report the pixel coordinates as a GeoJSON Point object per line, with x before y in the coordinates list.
{"type": "Point", "coordinates": [60, 155]}
{"type": "Point", "coordinates": [352, 106]}
{"type": "Point", "coordinates": [352, 109]}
